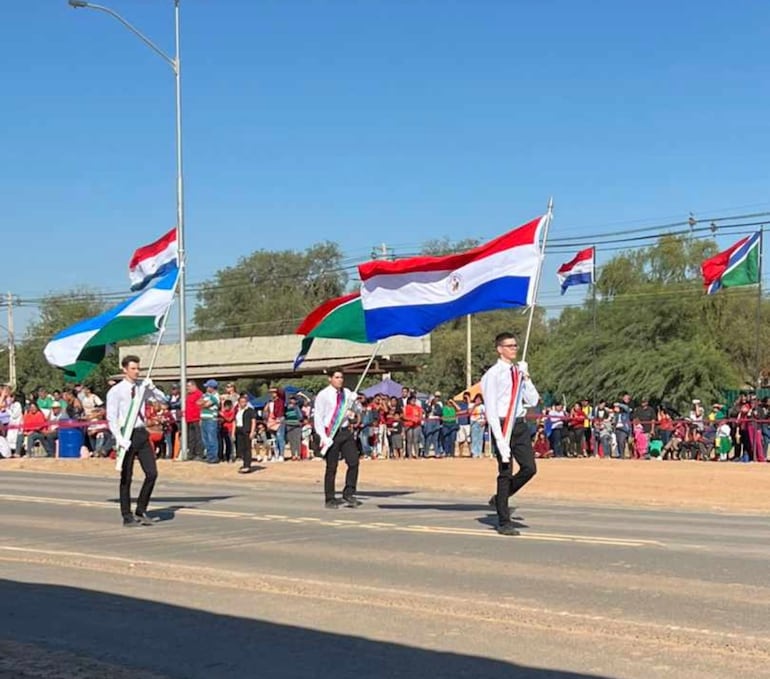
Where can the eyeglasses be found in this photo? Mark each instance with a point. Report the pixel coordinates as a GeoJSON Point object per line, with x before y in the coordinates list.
{"type": "Point", "coordinates": [510, 346]}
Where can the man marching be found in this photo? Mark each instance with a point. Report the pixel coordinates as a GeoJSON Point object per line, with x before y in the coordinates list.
{"type": "Point", "coordinates": [136, 442]}
{"type": "Point", "coordinates": [332, 424]}
{"type": "Point", "coordinates": [500, 385]}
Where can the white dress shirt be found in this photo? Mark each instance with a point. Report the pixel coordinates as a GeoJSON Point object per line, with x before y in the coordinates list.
{"type": "Point", "coordinates": [496, 386]}
{"type": "Point", "coordinates": [325, 405]}
{"type": "Point", "coordinates": [119, 401]}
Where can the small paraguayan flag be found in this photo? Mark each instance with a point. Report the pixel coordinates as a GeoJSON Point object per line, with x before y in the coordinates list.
{"type": "Point", "coordinates": [578, 271]}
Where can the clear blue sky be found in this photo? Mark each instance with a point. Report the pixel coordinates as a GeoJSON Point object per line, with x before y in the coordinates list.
{"type": "Point", "coordinates": [363, 122]}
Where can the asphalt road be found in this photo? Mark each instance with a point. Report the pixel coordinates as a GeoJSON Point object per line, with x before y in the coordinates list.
{"type": "Point", "coordinates": [266, 582]}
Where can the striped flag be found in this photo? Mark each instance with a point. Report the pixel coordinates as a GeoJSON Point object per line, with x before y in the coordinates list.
{"type": "Point", "coordinates": [578, 271]}
{"type": "Point", "coordinates": [153, 260]}
{"type": "Point", "coordinates": [412, 296]}
{"type": "Point", "coordinates": [736, 266]}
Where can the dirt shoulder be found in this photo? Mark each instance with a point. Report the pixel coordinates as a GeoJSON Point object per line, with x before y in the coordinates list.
{"type": "Point", "coordinates": [712, 486]}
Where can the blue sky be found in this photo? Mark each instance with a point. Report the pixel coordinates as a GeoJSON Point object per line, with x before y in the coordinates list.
{"type": "Point", "coordinates": [393, 121]}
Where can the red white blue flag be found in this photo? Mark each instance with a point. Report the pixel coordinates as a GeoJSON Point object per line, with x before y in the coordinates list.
{"type": "Point", "coordinates": [153, 260]}
{"type": "Point", "coordinates": [412, 296]}
{"type": "Point", "coordinates": [578, 271]}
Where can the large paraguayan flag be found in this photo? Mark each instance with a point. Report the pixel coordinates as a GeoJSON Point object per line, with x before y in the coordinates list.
{"type": "Point", "coordinates": [578, 271]}
{"type": "Point", "coordinates": [412, 296]}
{"type": "Point", "coordinates": [78, 349]}
{"type": "Point", "coordinates": [736, 266]}
{"type": "Point", "coordinates": [153, 260]}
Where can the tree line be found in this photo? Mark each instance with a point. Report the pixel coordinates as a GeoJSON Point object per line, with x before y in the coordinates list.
{"type": "Point", "coordinates": [649, 329]}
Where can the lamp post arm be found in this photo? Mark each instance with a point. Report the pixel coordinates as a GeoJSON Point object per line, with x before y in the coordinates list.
{"type": "Point", "coordinates": [171, 62]}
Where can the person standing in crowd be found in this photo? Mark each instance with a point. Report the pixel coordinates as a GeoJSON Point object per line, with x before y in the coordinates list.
{"type": "Point", "coordinates": [274, 416]}
{"type": "Point", "coordinates": [556, 418]}
{"type": "Point", "coordinates": [413, 414]}
{"type": "Point", "coordinates": [292, 419]}
{"type": "Point", "coordinates": [227, 429]}
{"type": "Point", "coordinates": [449, 428]}
{"type": "Point", "coordinates": [510, 435]}
{"type": "Point", "coordinates": [478, 425]}
{"type": "Point", "coordinates": [137, 442]}
{"type": "Point", "coordinates": [623, 424]}
{"type": "Point", "coordinates": [192, 415]}
{"type": "Point", "coordinates": [464, 423]}
{"type": "Point", "coordinates": [15, 424]}
{"type": "Point", "coordinates": [432, 426]}
{"type": "Point", "coordinates": [245, 432]}
{"type": "Point", "coordinates": [588, 411]}
{"type": "Point", "coordinates": [209, 405]}
{"type": "Point", "coordinates": [332, 423]}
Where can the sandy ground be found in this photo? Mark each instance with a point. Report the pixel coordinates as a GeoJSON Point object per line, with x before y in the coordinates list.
{"type": "Point", "coordinates": [692, 485]}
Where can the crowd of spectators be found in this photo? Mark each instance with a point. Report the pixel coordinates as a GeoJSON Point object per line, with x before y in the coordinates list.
{"type": "Point", "coordinates": [408, 426]}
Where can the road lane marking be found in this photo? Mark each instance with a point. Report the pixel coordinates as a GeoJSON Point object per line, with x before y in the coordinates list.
{"type": "Point", "coordinates": [350, 523]}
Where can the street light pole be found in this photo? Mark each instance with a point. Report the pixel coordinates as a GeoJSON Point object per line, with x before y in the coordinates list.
{"type": "Point", "coordinates": [176, 66]}
{"type": "Point", "coordinates": [11, 345]}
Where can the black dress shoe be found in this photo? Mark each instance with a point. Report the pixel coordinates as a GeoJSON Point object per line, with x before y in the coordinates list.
{"type": "Point", "coordinates": [332, 504]}
{"type": "Point", "coordinates": [507, 529]}
{"type": "Point", "coordinates": [143, 520]}
{"type": "Point", "coordinates": [351, 501]}
{"type": "Point", "coordinates": [129, 522]}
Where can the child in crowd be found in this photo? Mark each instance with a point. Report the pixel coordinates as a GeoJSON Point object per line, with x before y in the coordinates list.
{"type": "Point", "coordinates": [260, 443]}
{"type": "Point", "coordinates": [540, 443]}
{"type": "Point", "coordinates": [641, 443]}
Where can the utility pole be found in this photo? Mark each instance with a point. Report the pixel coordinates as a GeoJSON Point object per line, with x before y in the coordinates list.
{"type": "Point", "coordinates": [11, 344]}
{"type": "Point", "coordinates": [468, 368]}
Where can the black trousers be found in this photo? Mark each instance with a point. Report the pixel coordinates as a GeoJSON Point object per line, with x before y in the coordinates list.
{"type": "Point", "coordinates": [140, 448]}
{"type": "Point", "coordinates": [243, 446]}
{"type": "Point", "coordinates": [344, 446]}
{"type": "Point", "coordinates": [509, 483]}
{"type": "Point", "coordinates": [194, 440]}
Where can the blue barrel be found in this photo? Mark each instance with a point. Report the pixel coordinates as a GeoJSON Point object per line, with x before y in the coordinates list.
{"type": "Point", "coordinates": [70, 441]}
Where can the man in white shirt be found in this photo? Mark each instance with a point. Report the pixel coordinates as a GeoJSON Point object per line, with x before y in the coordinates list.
{"type": "Point", "coordinates": [508, 426]}
{"type": "Point", "coordinates": [136, 442]}
{"type": "Point", "coordinates": [331, 421]}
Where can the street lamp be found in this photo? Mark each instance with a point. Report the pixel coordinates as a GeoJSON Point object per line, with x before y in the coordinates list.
{"type": "Point", "coordinates": [176, 67]}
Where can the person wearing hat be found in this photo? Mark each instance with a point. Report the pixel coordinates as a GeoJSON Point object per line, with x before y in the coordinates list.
{"type": "Point", "coordinates": [209, 405]}
{"type": "Point", "coordinates": [509, 431]}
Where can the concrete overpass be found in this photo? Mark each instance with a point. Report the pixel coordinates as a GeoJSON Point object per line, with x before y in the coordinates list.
{"type": "Point", "coordinates": [273, 357]}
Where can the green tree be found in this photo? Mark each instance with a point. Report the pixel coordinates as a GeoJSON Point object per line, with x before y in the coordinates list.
{"type": "Point", "coordinates": [56, 313]}
{"type": "Point", "coordinates": [268, 292]}
{"type": "Point", "coordinates": [658, 334]}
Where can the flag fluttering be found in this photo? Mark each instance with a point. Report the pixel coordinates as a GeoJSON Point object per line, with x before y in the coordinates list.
{"type": "Point", "coordinates": [153, 261]}
{"type": "Point", "coordinates": [338, 318]}
{"type": "Point", "coordinates": [736, 266]}
{"type": "Point", "coordinates": [80, 348]}
{"type": "Point", "coordinates": [412, 296]}
{"type": "Point", "coordinates": [578, 271]}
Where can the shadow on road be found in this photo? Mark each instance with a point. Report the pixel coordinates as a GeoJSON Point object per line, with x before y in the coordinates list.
{"type": "Point", "coordinates": [182, 642]}
{"type": "Point", "coordinates": [384, 493]}
{"type": "Point", "coordinates": [440, 507]}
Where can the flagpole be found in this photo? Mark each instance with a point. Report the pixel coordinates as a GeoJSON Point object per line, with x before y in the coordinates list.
{"type": "Point", "coordinates": [517, 395]}
{"type": "Point", "coordinates": [759, 309]}
{"type": "Point", "coordinates": [368, 365]}
{"type": "Point", "coordinates": [548, 218]}
{"type": "Point", "coordinates": [468, 370]}
{"type": "Point", "coordinates": [593, 304]}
